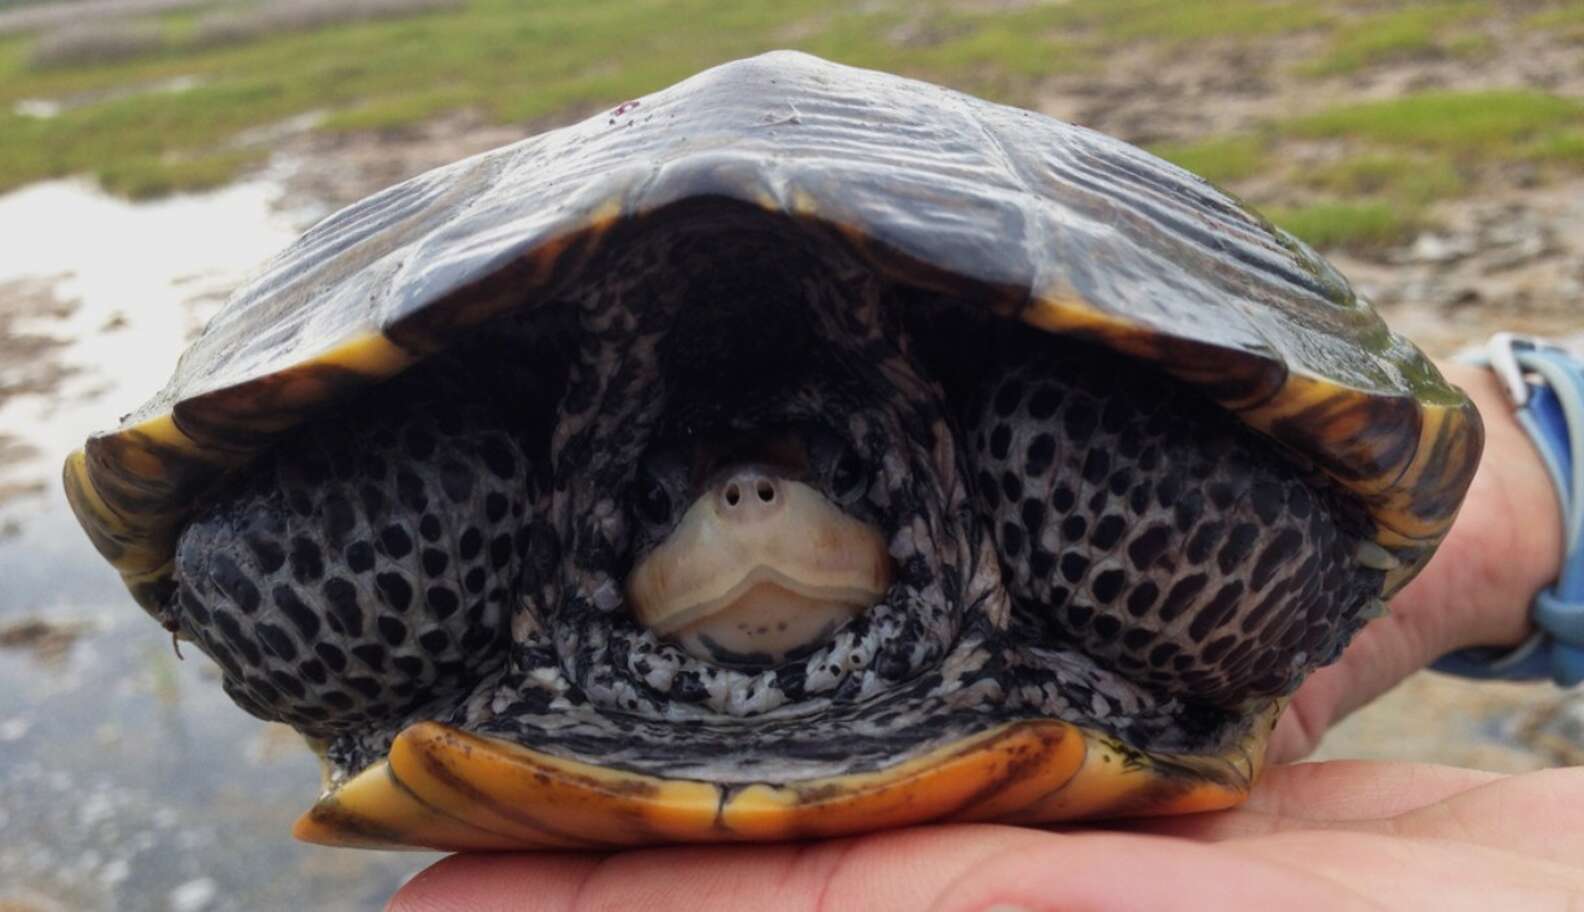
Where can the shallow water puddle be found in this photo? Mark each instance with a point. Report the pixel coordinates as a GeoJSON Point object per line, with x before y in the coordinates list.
{"type": "Point", "coordinates": [138, 281]}
{"type": "Point", "coordinates": [127, 779]}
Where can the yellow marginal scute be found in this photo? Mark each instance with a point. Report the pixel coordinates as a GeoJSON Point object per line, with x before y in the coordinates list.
{"type": "Point", "coordinates": [295, 393]}
{"type": "Point", "coordinates": [1116, 781]}
{"type": "Point", "coordinates": [523, 799]}
{"type": "Point", "coordinates": [545, 800]}
{"type": "Point", "coordinates": [105, 528]}
{"type": "Point", "coordinates": [156, 454]}
{"type": "Point", "coordinates": [371, 354]}
{"type": "Point", "coordinates": [446, 789]}
{"type": "Point", "coordinates": [401, 822]}
{"type": "Point", "coordinates": [1063, 313]}
{"type": "Point", "coordinates": [1002, 768]}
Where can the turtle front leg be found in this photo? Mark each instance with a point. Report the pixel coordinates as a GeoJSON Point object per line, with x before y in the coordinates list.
{"type": "Point", "coordinates": [1142, 525]}
{"type": "Point", "coordinates": [368, 565]}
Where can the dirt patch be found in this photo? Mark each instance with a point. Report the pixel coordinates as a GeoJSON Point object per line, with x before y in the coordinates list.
{"type": "Point", "coordinates": [1153, 92]}
{"type": "Point", "coordinates": [27, 356]}
{"type": "Point", "coordinates": [1511, 259]}
{"type": "Point", "coordinates": [1150, 93]}
{"type": "Point", "coordinates": [1556, 731]}
{"type": "Point", "coordinates": [337, 169]}
{"type": "Point", "coordinates": [14, 451]}
{"type": "Point", "coordinates": [55, 15]}
{"type": "Point", "coordinates": [19, 903]}
{"type": "Point", "coordinates": [29, 365]}
{"type": "Point", "coordinates": [46, 641]}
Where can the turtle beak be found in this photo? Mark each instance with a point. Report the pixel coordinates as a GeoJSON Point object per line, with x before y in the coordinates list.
{"type": "Point", "coordinates": [760, 568]}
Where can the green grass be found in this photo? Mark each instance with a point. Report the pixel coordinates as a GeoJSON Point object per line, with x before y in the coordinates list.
{"type": "Point", "coordinates": [1412, 180]}
{"type": "Point", "coordinates": [1415, 31]}
{"type": "Point", "coordinates": [1405, 155]}
{"type": "Point", "coordinates": [1010, 47]}
{"type": "Point", "coordinates": [1192, 20]}
{"type": "Point", "coordinates": [518, 63]}
{"type": "Point", "coordinates": [1001, 56]}
{"type": "Point", "coordinates": [393, 113]}
{"type": "Point", "coordinates": [1416, 150]}
{"type": "Point", "coordinates": [1565, 147]}
{"type": "Point", "coordinates": [1370, 200]}
{"type": "Point", "coordinates": [1223, 160]}
{"type": "Point", "coordinates": [145, 177]}
{"type": "Point", "coordinates": [1566, 20]}
{"type": "Point", "coordinates": [1466, 125]}
{"type": "Point", "coordinates": [521, 63]}
{"type": "Point", "coordinates": [513, 62]}
{"type": "Point", "coordinates": [1348, 225]}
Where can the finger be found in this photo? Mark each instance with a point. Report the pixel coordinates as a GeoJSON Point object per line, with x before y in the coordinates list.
{"type": "Point", "coordinates": [1384, 653]}
{"type": "Point", "coordinates": [1535, 815]}
{"type": "Point", "coordinates": [495, 883]}
{"type": "Point", "coordinates": [1304, 722]}
{"type": "Point", "coordinates": [946, 868]}
{"type": "Point", "coordinates": [1079, 872]}
{"type": "Point", "coordinates": [1402, 873]}
{"type": "Point", "coordinates": [1360, 789]}
{"type": "Point", "coordinates": [1307, 795]}
{"type": "Point", "coordinates": [903, 870]}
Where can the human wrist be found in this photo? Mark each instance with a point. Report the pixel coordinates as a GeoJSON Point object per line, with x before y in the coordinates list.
{"type": "Point", "coordinates": [1506, 544]}
{"type": "Point", "coordinates": [1504, 547]}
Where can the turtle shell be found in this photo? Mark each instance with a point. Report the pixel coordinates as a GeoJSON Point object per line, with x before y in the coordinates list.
{"type": "Point", "coordinates": [1030, 218]}
{"type": "Point", "coordinates": [1058, 226]}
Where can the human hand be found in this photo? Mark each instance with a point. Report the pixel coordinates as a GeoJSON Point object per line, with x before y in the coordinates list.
{"type": "Point", "coordinates": [1330, 836]}
{"type": "Point", "coordinates": [1476, 591]}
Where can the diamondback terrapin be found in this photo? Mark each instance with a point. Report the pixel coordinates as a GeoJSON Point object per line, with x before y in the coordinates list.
{"type": "Point", "coordinates": [795, 451]}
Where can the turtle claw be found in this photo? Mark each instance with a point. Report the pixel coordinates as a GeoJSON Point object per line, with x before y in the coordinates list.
{"type": "Point", "coordinates": [1375, 557]}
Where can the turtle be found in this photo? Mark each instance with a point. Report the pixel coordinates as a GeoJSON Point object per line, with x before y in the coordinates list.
{"type": "Point", "coordinates": [796, 451]}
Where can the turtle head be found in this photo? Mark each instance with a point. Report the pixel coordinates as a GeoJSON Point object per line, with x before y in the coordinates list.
{"type": "Point", "coordinates": [753, 537]}
{"type": "Point", "coordinates": [747, 554]}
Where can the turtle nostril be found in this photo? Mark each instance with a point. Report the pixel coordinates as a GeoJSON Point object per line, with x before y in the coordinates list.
{"type": "Point", "coordinates": [749, 495]}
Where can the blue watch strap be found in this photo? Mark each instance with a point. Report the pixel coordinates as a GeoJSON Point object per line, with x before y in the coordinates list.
{"type": "Point", "coordinates": [1551, 410]}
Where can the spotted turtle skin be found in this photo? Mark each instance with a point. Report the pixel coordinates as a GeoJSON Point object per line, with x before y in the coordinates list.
{"type": "Point", "coordinates": [435, 551]}
{"type": "Point", "coordinates": [1159, 535]}
{"type": "Point", "coordinates": [1292, 421]}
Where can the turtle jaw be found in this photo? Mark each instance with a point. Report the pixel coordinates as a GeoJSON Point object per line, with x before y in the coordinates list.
{"type": "Point", "coordinates": [447, 789]}
{"type": "Point", "coordinates": [759, 568]}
